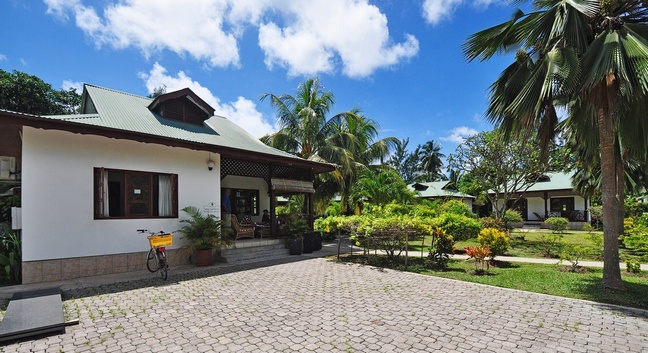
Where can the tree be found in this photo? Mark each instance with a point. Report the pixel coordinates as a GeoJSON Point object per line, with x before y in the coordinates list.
{"type": "Point", "coordinates": [381, 185]}
{"type": "Point", "coordinates": [347, 139]}
{"type": "Point", "coordinates": [503, 169]}
{"type": "Point", "coordinates": [430, 161]}
{"type": "Point", "coordinates": [591, 58]}
{"type": "Point", "coordinates": [21, 92]}
{"type": "Point", "coordinates": [406, 163]}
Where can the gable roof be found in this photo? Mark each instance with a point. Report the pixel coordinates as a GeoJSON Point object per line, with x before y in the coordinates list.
{"type": "Point", "coordinates": [553, 181]}
{"type": "Point", "coordinates": [122, 115]}
{"type": "Point", "coordinates": [436, 189]}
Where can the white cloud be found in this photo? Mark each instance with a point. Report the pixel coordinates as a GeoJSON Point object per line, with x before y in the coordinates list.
{"type": "Point", "coordinates": [242, 112]}
{"type": "Point", "coordinates": [3, 57]}
{"type": "Point", "coordinates": [460, 134]}
{"type": "Point", "coordinates": [305, 38]}
{"type": "Point", "coordinates": [326, 33]}
{"type": "Point", "coordinates": [67, 84]}
{"type": "Point", "coordinates": [435, 11]}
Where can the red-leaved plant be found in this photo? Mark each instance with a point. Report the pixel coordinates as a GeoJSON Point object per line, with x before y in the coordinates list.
{"type": "Point", "coordinates": [479, 254]}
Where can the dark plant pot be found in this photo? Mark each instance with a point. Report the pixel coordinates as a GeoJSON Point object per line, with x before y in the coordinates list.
{"type": "Point", "coordinates": [203, 257]}
{"type": "Point", "coordinates": [309, 243]}
{"type": "Point", "coordinates": [317, 236]}
{"type": "Point", "coordinates": [295, 246]}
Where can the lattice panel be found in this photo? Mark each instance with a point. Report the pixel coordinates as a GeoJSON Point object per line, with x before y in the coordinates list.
{"type": "Point", "coordinates": [291, 173]}
{"type": "Point", "coordinates": [244, 168]}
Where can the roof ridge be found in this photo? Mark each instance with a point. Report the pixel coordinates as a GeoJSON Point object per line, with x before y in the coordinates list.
{"type": "Point", "coordinates": [116, 91]}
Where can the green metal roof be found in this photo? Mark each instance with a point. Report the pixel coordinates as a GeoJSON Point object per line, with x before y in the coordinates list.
{"type": "Point", "coordinates": [435, 189]}
{"type": "Point", "coordinates": [127, 112]}
{"type": "Point", "coordinates": [554, 181]}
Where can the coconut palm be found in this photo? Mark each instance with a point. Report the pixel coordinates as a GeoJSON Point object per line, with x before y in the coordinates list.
{"type": "Point", "coordinates": [346, 139]}
{"type": "Point", "coordinates": [357, 134]}
{"type": "Point", "coordinates": [589, 57]}
{"type": "Point", "coordinates": [430, 158]}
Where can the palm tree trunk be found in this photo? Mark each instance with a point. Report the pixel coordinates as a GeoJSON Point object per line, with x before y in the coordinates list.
{"type": "Point", "coordinates": [611, 204]}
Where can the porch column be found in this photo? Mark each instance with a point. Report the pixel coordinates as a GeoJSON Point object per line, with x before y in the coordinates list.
{"type": "Point", "coordinates": [546, 198]}
{"type": "Point", "coordinates": [311, 204]}
{"type": "Point", "coordinates": [273, 204]}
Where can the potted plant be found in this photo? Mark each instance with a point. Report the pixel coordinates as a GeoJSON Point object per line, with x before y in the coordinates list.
{"type": "Point", "coordinates": [202, 234]}
{"type": "Point", "coordinates": [294, 230]}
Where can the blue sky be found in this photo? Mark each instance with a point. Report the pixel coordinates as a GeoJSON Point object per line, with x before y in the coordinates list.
{"type": "Point", "coordinates": [400, 61]}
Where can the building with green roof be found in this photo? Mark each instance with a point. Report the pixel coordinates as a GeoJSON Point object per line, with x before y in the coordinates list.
{"type": "Point", "coordinates": [88, 181]}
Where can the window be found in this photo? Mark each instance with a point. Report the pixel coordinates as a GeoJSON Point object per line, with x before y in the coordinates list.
{"type": "Point", "coordinates": [133, 194]}
{"type": "Point", "coordinates": [562, 204]}
{"type": "Point", "coordinates": [245, 202]}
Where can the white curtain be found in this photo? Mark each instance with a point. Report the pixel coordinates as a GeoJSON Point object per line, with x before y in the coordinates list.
{"type": "Point", "coordinates": [106, 203]}
{"type": "Point", "coordinates": [164, 202]}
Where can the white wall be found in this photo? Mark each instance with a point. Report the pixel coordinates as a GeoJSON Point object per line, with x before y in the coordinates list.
{"type": "Point", "coordinates": [57, 192]}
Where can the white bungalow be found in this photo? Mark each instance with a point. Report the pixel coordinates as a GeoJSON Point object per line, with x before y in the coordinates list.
{"type": "Point", "coordinates": [89, 181]}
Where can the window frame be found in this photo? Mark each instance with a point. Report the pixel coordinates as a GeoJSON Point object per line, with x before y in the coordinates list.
{"type": "Point", "coordinates": [126, 200]}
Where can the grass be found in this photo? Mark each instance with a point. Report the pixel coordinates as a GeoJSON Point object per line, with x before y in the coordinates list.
{"type": "Point", "coordinates": [531, 245]}
{"type": "Point", "coordinates": [547, 279]}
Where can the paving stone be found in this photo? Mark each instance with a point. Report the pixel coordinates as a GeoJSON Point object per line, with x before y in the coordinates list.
{"type": "Point", "coordinates": [314, 305]}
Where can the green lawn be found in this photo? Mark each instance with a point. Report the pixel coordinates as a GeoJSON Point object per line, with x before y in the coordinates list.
{"type": "Point", "coordinates": [547, 279]}
{"type": "Point", "coordinates": [531, 246]}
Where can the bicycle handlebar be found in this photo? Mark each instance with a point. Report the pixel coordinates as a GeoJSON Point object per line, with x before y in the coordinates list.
{"type": "Point", "coordinates": [152, 233]}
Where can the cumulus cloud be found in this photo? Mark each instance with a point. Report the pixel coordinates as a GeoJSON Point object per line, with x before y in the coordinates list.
{"type": "Point", "coordinates": [460, 134]}
{"type": "Point", "coordinates": [67, 84]}
{"type": "Point", "coordinates": [353, 33]}
{"type": "Point", "coordinates": [304, 38]}
{"type": "Point", "coordinates": [435, 11]}
{"type": "Point", "coordinates": [242, 112]}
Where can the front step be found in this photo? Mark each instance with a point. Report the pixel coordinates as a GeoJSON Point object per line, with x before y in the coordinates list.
{"type": "Point", "coordinates": [253, 249]}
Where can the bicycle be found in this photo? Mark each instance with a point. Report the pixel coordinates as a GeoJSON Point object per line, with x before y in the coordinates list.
{"type": "Point", "coordinates": [156, 259]}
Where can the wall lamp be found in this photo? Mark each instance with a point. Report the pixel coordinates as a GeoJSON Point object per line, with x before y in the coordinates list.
{"type": "Point", "coordinates": [210, 164]}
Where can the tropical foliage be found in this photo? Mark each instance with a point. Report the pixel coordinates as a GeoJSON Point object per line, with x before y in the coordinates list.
{"type": "Point", "coordinates": [21, 92]}
{"type": "Point", "coordinates": [203, 232]}
{"type": "Point", "coordinates": [589, 57]}
{"type": "Point", "coordinates": [501, 170]}
{"type": "Point", "coordinates": [348, 139]}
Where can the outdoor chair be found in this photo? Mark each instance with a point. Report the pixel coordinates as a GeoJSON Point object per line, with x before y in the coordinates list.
{"type": "Point", "coordinates": [242, 230]}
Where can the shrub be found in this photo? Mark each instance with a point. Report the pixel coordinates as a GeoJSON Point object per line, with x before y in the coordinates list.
{"type": "Point", "coordinates": [557, 224]}
{"type": "Point", "coordinates": [479, 254]}
{"type": "Point", "coordinates": [573, 253]}
{"type": "Point", "coordinates": [456, 207]}
{"type": "Point", "coordinates": [10, 255]}
{"type": "Point", "coordinates": [490, 222]}
{"type": "Point", "coordinates": [459, 227]}
{"type": "Point", "coordinates": [633, 266]}
{"type": "Point", "coordinates": [587, 228]}
{"type": "Point", "coordinates": [596, 243]}
{"type": "Point", "coordinates": [510, 217]}
{"type": "Point", "coordinates": [550, 244]}
{"type": "Point", "coordinates": [441, 248]}
{"type": "Point", "coordinates": [495, 240]}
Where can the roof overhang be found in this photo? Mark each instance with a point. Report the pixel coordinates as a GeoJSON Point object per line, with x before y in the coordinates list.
{"type": "Point", "coordinates": [40, 122]}
{"type": "Point", "coordinates": [291, 186]}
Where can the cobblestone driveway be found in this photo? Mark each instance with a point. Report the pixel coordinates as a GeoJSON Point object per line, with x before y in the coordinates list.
{"type": "Point", "coordinates": [316, 305]}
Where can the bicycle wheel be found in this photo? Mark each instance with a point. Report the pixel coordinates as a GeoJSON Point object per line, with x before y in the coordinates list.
{"type": "Point", "coordinates": [163, 265]}
{"type": "Point", "coordinates": [151, 261]}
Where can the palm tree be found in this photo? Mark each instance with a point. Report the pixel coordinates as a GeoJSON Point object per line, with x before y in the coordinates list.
{"type": "Point", "coordinates": [430, 157]}
{"type": "Point", "coordinates": [591, 58]}
{"type": "Point", "coordinates": [346, 139]}
{"type": "Point", "coordinates": [356, 134]}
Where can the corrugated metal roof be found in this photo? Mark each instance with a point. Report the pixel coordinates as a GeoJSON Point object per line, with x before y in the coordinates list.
{"type": "Point", "coordinates": [555, 181]}
{"type": "Point", "coordinates": [436, 189]}
{"type": "Point", "coordinates": [128, 112]}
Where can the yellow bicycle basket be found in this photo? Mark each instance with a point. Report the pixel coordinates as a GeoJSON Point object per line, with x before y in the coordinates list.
{"type": "Point", "coordinates": [160, 240]}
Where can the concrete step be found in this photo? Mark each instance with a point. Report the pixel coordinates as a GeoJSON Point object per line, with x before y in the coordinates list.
{"type": "Point", "coordinates": [253, 251]}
